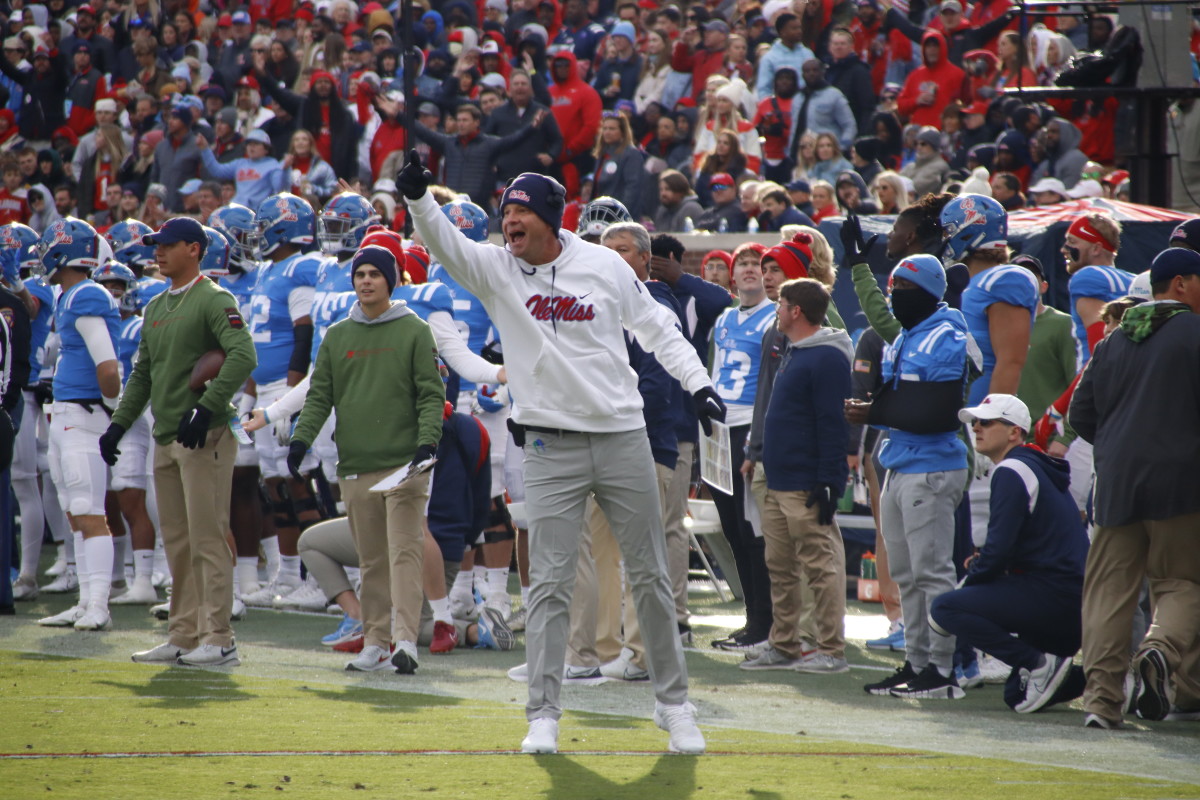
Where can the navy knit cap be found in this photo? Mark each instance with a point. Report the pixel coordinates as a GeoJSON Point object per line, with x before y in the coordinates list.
{"type": "Point", "coordinates": [541, 194]}
{"type": "Point", "coordinates": [382, 259]}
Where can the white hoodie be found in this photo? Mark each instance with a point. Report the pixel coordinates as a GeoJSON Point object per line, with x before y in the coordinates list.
{"type": "Point", "coordinates": [563, 326]}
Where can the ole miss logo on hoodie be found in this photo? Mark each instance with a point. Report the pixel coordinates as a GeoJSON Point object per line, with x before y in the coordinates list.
{"type": "Point", "coordinates": [560, 309]}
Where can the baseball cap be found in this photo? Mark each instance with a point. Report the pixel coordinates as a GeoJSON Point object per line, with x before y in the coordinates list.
{"type": "Point", "coordinates": [1172, 262]}
{"type": "Point", "coordinates": [717, 25]}
{"type": "Point", "coordinates": [1003, 407]}
{"type": "Point", "coordinates": [224, 21]}
{"type": "Point", "coordinates": [177, 229]}
{"type": "Point", "coordinates": [1086, 188]}
{"type": "Point", "coordinates": [240, 18]}
{"type": "Point", "coordinates": [429, 107]}
{"type": "Point", "coordinates": [799, 185]}
{"type": "Point", "coordinates": [1049, 185]}
{"type": "Point", "coordinates": [722, 180]}
{"type": "Point", "coordinates": [81, 47]}
{"type": "Point", "coordinates": [85, 9]}
{"type": "Point", "coordinates": [625, 29]}
{"type": "Point", "coordinates": [1187, 234]}
{"type": "Point", "coordinates": [950, 5]}
{"type": "Point", "coordinates": [260, 136]}
{"type": "Point", "coordinates": [190, 186]}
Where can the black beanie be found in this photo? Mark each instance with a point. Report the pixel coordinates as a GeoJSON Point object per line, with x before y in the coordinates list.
{"type": "Point", "coordinates": [541, 194]}
{"type": "Point", "coordinates": [382, 259]}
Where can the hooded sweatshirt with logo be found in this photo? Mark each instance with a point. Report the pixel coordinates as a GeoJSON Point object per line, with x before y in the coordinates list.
{"type": "Point", "coordinates": [376, 373]}
{"type": "Point", "coordinates": [566, 320]}
{"type": "Point", "coordinates": [948, 80]}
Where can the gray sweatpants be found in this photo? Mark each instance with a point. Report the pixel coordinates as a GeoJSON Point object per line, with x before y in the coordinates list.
{"type": "Point", "coordinates": [917, 516]}
{"type": "Point", "coordinates": [560, 471]}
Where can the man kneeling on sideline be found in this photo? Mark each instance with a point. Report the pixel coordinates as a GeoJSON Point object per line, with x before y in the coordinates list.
{"type": "Point", "coordinates": [1022, 595]}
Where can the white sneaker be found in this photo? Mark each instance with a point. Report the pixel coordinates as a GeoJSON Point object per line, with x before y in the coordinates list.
{"type": "Point", "coordinates": [993, 670]}
{"type": "Point", "coordinates": [542, 736]}
{"type": "Point", "coordinates": [305, 597]}
{"type": "Point", "coordinates": [96, 618]}
{"type": "Point", "coordinates": [519, 673]}
{"type": "Point", "coordinates": [24, 588]}
{"type": "Point", "coordinates": [583, 676]}
{"type": "Point", "coordinates": [238, 610]}
{"type": "Point", "coordinates": [64, 619]}
{"type": "Point", "coordinates": [141, 593]}
{"type": "Point", "coordinates": [162, 611]}
{"type": "Point", "coordinates": [165, 653]}
{"type": "Point", "coordinates": [160, 579]}
{"type": "Point", "coordinates": [404, 659]}
{"type": "Point", "coordinates": [516, 620]}
{"type": "Point", "coordinates": [680, 722]}
{"type": "Point", "coordinates": [67, 581]}
{"type": "Point", "coordinates": [211, 655]}
{"type": "Point", "coordinates": [623, 668]}
{"type": "Point", "coordinates": [265, 596]}
{"type": "Point", "coordinates": [58, 567]}
{"type": "Point", "coordinates": [500, 602]}
{"type": "Point", "coordinates": [372, 659]}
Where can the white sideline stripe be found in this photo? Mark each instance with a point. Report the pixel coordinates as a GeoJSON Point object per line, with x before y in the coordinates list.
{"type": "Point", "coordinates": [438, 753]}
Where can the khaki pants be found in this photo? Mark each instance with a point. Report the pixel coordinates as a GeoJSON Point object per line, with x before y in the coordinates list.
{"type": "Point", "coordinates": [389, 533]}
{"type": "Point", "coordinates": [193, 489]}
{"type": "Point", "coordinates": [804, 625]}
{"type": "Point", "coordinates": [675, 508]}
{"type": "Point", "coordinates": [1165, 552]}
{"type": "Point", "coordinates": [796, 544]}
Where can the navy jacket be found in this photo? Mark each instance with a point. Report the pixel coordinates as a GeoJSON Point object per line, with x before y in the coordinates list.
{"type": "Point", "coordinates": [460, 498]}
{"type": "Point", "coordinates": [1034, 526]}
{"type": "Point", "coordinates": [662, 396]}
{"type": "Point", "coordinates": [700, 303]}
{"type": "Point", "coordinates": [805, 434]}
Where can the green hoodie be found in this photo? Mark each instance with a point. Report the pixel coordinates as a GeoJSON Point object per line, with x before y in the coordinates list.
{"type": "Point", "coordinates": [381, 376]}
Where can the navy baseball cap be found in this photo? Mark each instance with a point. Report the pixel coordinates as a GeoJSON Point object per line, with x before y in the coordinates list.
{"type": "Point", "coordinates": [1172, 262]}
{"type": "Point", "coordinates": [177, 229]}
{"type": "Point", "coordinates": [799, 186]}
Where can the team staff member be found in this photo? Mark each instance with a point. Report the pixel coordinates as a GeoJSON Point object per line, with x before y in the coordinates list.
{"type": "Point", "coordinates": [193, 463]}
{"type": "Point", "coordinates": [377, 369]}
{"type": "Point", "coordinates": [562, 306]}
{"type": "Point", "coordinates": [87, 381]}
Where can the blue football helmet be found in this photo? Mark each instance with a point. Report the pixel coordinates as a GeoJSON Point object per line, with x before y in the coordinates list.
{"type": "Point", "coordinates": [71, 242]}
{"type": "Point", "coordinates": [344, 222]}
{"type": "Point", "coordinates": [18, 250]}
{"type": "Point", "coordinates": [237, 222]}
{"type": "Point", "coordinates": [113, 271]}
{"type": "Point", "coordinates": [970, 223]}
{"type": "Point", "coordinates": [215, 261]}
{"type": "Point", "coordinates": [599, 214]}
{"type": "Point", "coordinates": [126, 240]}
{"type": "Point", "coordinates": [470, 219]}
{"type": "Point", "coordinates": [285, 218]}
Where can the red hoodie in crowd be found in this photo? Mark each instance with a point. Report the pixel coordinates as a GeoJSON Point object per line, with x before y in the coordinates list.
{"type": "Point", "coordinates": [947, 82]}
{"type": "Point", "coordinates": [576, 107]}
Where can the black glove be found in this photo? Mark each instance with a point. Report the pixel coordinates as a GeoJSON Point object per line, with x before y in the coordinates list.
{"type": "Point", "coordinates": [413, 179]}
{"type": "Point", "coordinates": [709, 406]}
{"type": "Point", "coordinates": [43, 392]}
{"type": "Point", "coordinates": [193, 428]}
{"type": "Point", "coordinates": [108, 443]}
{"type": "Point", "coordinates": [855, 249]}
{"type": "Point", "coordinates": [823, 498]}
{"type": "Point", "coordinates": [297, 450]}
{"type": "Point", "coordinates": [424, 453]}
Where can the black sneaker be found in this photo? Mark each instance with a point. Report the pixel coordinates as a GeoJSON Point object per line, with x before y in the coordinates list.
{"type": "Point", "coordinates": [931, 685]}
{"type": "Point", "coordinates": [746, 640]}
{"type": "Point", "coordinates": [1154, 698]}
{"type": "Point", "coordinates": [685, 634]}
{"type": "Point", "coordinates": [718, 642]}
{"type": "Point", "coordinates": [901, 676]}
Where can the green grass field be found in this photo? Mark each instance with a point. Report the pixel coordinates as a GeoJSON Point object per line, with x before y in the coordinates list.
{"type": "Point", "coordinates": [80, 720]}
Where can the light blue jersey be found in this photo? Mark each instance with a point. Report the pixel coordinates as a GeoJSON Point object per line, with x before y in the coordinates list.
{"type": "Point", "coordinates": [470, 317]}
{"type": "Point", "coordinates": [128, 340]}
{"type": "Point", "coordinates": [39, 326]}
{"type": "Point", "coordinates": [75, 375]}
{"type": "Point", "coordinates": [332, 298]}
{"type": "Point", "coordinates": [270, 317]}
{"type": "Point", "coordinates": [149, 288]}
{"type": "Point", "coordinates": [737, 339]}
{"type": "Point", "coordinates": [1009, 284]}
{"type": "Point", "coordinates": [1099, 283]}
{"type": "Point", "coordinates": [241, 286]}
{"type": "Point", "coordinates": [425, 298]}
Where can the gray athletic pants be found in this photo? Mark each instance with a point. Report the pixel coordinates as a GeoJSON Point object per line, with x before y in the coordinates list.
{"type": "Point", "coordinates": [561, 469]}
{"type": "Point", "coordinates": [916, 513]}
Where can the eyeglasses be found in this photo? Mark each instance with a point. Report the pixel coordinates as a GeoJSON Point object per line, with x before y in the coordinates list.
{"type": "Point", "coordinates": [987, 423]}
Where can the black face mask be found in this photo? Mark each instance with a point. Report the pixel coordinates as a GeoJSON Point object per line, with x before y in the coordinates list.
{"type": "Point", "coordinates": [913, 306]}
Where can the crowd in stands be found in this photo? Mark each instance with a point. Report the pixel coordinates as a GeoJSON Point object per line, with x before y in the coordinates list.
{"type": "Point", "coordinates": [108, 109]}
{"type": "Point", "coordinates": [965, 405]}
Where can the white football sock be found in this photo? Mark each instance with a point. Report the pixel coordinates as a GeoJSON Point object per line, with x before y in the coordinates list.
{"type": "Point", "coordinates": [441, 610]}
{"type": "Point", "coordinates": [99, 551]}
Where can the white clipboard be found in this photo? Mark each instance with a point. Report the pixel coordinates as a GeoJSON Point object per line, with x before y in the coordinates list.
{"type": "Point", "coordinates": [404, 474]}
{"type": "Point", "coordinates": [716, 462]}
